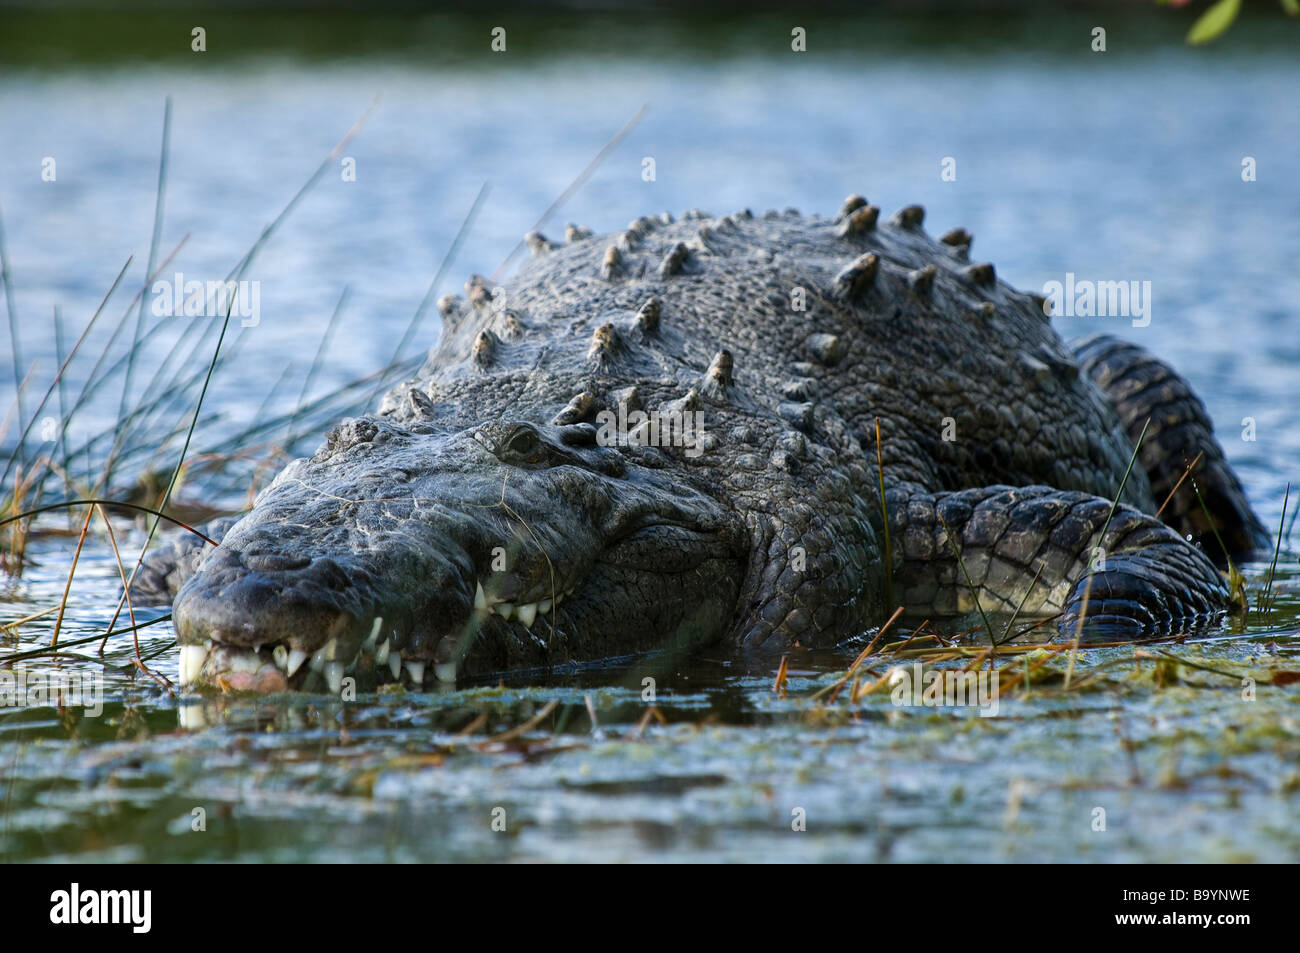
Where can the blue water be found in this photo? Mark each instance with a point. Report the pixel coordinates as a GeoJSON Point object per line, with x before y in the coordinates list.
{"type": "Point", "coordinates": [1113, 169]}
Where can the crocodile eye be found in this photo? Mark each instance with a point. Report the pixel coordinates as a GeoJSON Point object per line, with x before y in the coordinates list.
{"type": "Point", "coordinates": [524, 443]}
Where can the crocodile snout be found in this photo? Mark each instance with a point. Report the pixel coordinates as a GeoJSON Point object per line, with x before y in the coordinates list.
{"type": "Point", "coordinates": [265, 621]}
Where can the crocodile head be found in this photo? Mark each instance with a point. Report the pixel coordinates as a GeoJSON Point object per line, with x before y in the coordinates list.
{"type": "Point", "coordinates": [505, 545]}
{"type": "Point", "coordinates": [490, 515]}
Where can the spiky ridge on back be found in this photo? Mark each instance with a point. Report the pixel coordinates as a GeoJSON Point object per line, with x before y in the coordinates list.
{"type": "Point", "coordinates": [792, 334]}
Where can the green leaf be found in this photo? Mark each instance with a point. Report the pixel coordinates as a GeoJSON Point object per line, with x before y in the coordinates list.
{"type": "Point", "coordinates": [1213, 21]}
{"type": "Point", "coordinates": [1292, 7]}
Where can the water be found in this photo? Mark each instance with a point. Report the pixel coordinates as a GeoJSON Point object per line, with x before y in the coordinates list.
{"type": "Point", "coordinates": [1118, 166]}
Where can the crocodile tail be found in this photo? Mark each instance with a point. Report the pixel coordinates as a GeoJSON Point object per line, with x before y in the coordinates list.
{"type": "Point", "coordinates": [1142, 388]}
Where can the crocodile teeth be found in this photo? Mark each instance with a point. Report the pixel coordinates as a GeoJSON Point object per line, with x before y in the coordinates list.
{"type": "Point", "coordinates": [544, 606]}
{"type": "Point", "coordinates": [296, 658]}
{"type": "Point", "coordinates": [480, 600]}
{"type": "Point", "coordinates": [192, 659]}
{"type": "Point", "coordinates": [317, 663]}
{"type": "Point", "coordinates": [381, 654]}
{"type": "Point", "coordinates": [334, 676]}
{"type": "Point", "coordinates": [395, 664]}
{"type": "Point", "coordinates": [528, 613]}
{"type": "Point", "coordinates": [446, 671]}
{"type": "Point", "coordinates": [505, 609]}
{"type": "Point", "coordinates": [281, 656]}
{"type": "Point", "coordinates": [374, 632]}
{"type": "Point", "coordinates": [416, 671]}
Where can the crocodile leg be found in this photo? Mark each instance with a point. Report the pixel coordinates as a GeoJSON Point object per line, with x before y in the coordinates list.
{"type": "Point", "coordinates": [1145, 578]}
{"type": "Point", "coordinates": [1141, 387]}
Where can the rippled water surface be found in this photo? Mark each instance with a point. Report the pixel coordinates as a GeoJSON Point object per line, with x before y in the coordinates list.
{"type": "Point", "coordinates": [1127, 166]}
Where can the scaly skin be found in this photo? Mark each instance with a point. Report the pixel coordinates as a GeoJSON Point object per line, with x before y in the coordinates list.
{"type": "Point", "coordinates": [489, 484]}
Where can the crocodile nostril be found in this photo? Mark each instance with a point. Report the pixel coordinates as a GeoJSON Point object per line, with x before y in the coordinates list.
{"type": "Point", "coordinates": [274, 562]}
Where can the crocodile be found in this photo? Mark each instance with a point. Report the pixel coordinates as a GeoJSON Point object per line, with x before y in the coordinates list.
{"type": "Point", "coordinates": [754, 431]}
